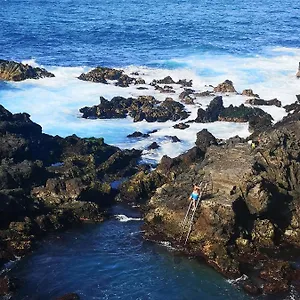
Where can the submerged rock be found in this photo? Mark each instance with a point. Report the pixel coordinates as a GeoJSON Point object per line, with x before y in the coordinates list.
{"type": "Point", "coordinates": [249, 93]}
{"type": "Point", "coordinates": [7, 286]}
{"type": "Point", "coordinates": [138, 134]}
{"type": "Point", "coordinates": [14, 71]}
{"type": "Point", "coordinates": [181, 126]}
{"type": "Point", "coordinates": [71, 296]}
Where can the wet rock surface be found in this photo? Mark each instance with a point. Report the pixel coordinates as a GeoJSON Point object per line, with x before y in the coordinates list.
{"type": "Point", "coordinates": [141, 108]}
{"type": "Point", "coordinates": [257, 101]}
{"type": "Point", "coordinates": [216, 111]}
{"type": "Point", "coordinates": [102, 75]}
{"type": "Point", "coordinates": [14, 71]}
{"type": "Point", "coordinates": [225, 87]}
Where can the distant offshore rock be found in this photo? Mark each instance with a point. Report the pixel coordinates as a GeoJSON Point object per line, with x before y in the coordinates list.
{"type": "Point", "coordinates": [101, 75]}
{"type": "Point", "coordinates": [141, 108]}
{"type": "Point", "coordinates": [256, 101]}
{"type": "Point", "coordinates": [225, 87]}
{"type": "Point", "coordinates": [14, 71]}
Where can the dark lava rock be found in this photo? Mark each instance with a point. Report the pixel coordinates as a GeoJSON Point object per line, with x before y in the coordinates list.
{"type": "Point", "coordinates": [142, 88]}
{"type": "Point", "coordinates": [260, 123]}
{"type": "Point", "coordinates": [139, 81]}
{"type": "Point", "coordinates": [14, 71]}
{"type": "Point", "coordinates": [181, 126]}
{"type": "Point", "coordinates": [239, 113]}
{"type": "Point", "coordinates": [153, 146]}
{"type": "Point", "coordinates": [212, 112]}
{"type": "Point", "coordinates": [205, 139]}
{"type": "Point", "coordinates": [7, 286]}
{"type": "Point", "coordinates": [138, 134]}
{"type": "Point", "coordinates": [167, 89]}
{"type": "Point", "coordinates": [101, 75]}
{"type": "Point", "coordinates": [71, 296]}
{"type": "Point", "coordinates": [166, 80]}
{"type": "Point", "coordinates": [204, 94]}
{"type": "Point", "coordinates": [256, 101]}
{"type": "Point", "coordinates": [174, 138]}
{"type": "Point", "coordinates": [38, 194]}
{"type": "Point", "coordinates": [186, 93]}
{"type": "Point", "coordinates": [143, 108]}
{"type": "Point", "coordinates": [249, 93]}
{"type": "Point", "coordinates": [225, 87]}
{"type": "Point", "coordinates": [251, 288]}
{"type": "Point", "coordinates": [185, 83]}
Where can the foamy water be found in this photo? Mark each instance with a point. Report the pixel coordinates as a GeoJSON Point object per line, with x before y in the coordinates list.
{"type": "Point", "coordinates": [54, 102]}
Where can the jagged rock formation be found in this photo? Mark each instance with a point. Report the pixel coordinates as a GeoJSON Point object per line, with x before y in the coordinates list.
{"type": "Point", "coordinates": [253, 204]}
{"type": "Point", "coordinates": [256, 101]}
{"type": "Point", "coordinates": [225, 87]}
{"type": "Point", "coordinates": [14, 71]}
{"type": "Point", "coordinates": [101, 75]}
{"type": "Point", "coordinates": [143, 108]}
{"type": "Point", "coordinates": [217, 112]}
{"type": "Point", "coordinates": [48, 183]}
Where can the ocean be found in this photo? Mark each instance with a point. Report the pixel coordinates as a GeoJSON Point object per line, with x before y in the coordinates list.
{"type": "Point", "coordinates": [255, 44]}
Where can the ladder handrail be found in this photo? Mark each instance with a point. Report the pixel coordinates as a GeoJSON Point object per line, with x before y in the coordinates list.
{"type": "Point", "coordinates": [186, 219]}
{"type": "Point", "coordinates": [192, 218]}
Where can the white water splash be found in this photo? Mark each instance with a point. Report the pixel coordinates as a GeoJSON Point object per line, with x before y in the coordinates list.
{"type": "Point", "coordinates": [237, 280]}
{"type": "Point", "coordinates": [123, 218]}
{"type": "Point", "coordinates": [54, 102]}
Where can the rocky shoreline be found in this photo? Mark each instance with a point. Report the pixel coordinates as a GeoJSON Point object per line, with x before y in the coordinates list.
{"type": "Point", "coordinates": [50, 183]}
{"type": "Point", "coordinates": [245, 223]}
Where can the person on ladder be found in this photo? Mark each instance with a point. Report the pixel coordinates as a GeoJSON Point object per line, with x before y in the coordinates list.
{"type": "Point", "coordinates": [195, 196]}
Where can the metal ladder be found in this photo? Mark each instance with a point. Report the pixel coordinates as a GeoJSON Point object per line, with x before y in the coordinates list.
{"type": "Point", "coordinates": [190, 214]}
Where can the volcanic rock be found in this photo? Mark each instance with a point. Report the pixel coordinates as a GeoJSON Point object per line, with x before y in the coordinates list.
{"type": "Point", "coordinates": [249, 93]}
{"type": "Point", "coordinates": [225, 87]}
{"type": "Point", "coordinates": [185, 83]}
{"type": "Point", "coordinates": [181, 126]}
{"type": "Point", "coordinates": [143, 108]}
{"type": "Point", "coordinates": [256, 101]}
{"type": "Point", "coordinates": [138, 134]}
{"type": "Point", "coordinates": [101, 75]}
{"type": "Point", "coordinates": [14, 71]}
{"type": "Point", "coordinates": [153, 146]}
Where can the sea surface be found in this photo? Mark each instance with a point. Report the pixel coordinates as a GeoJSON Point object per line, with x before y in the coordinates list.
{"type": "Point", "coordinates": [253, 43]}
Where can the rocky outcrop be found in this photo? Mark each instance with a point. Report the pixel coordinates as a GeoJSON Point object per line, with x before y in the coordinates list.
{"type": "Point", "coordinates": [138, 134]}
{"type": "Point", "coordinates": [181, 126]}
{"type": "Point", "coordinates": [249, 93]}
{"type": "Point", "coordinates": [143, 108]}
{"type": "Point", "coordinates": [14, 71]}
{"type": "Point", "coordinates": [256, 101]}
{"type": "Point", "coordinates": [250, 205]}
{"type": "Point", "coordinates": [7, 286]}
{"type": "Point", "coordinates": [49, 183]}
{"type": "Point", "coordinates": [225, 87]}
{"type": "Point", "coordinates": [102, 75]}
{"type": "Point", "coordinates": [217, 112]}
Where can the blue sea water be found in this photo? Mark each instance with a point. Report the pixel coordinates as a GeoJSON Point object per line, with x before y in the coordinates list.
{"type": "Point", "coordinates": [112, 261]}
{"type": "Point", "coordinates": [254, 43]}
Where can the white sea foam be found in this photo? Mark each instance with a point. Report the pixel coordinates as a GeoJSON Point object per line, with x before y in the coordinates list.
{"type": "Point", "coordinates": [54, 102]}
{"type": "Point", "coordinates": [123, 218]}
{"type": "Point", "coordinates": [235, 281]}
